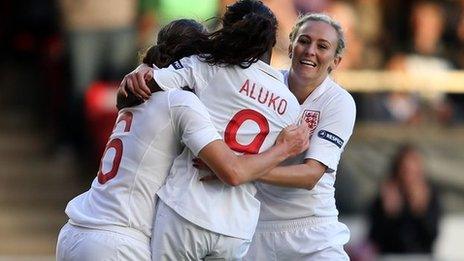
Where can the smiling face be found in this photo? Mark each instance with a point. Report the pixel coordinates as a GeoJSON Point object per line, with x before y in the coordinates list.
{"type": "Point", "coordinates": [313, 52]}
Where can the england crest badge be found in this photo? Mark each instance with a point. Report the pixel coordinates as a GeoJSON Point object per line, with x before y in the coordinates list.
{"type": "Point", "coordinates": [311, 118]}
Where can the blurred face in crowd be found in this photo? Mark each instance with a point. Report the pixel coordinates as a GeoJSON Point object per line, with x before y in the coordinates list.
{"type": "Point", "coordinates": [313, 52]}
{"type": "Point", "coordinates": [428, 23]}
{"type": "Point", "coordinates": [411, 169]}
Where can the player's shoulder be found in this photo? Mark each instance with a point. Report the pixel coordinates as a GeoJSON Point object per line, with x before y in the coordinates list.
{"type": "Point", "coordinates": [184, 62]}
{"type": "Point", "coordinates": [199, 66]}
{"type": "Point", "coordinates": [188, 62]}
{"type": "Point", "coordinates": [266, 72]}
{"type": "Point", "coordinates": [186, 99]}
{"type": "Point", "coordinates": [179, 97]}
{"type": "Point", "coordinates": [339, 96]}
{"type": "Point", "coordinates": [186, 103]}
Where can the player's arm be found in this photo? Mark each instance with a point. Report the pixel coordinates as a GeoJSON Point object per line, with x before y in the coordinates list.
{"type": "Point", "coordinates": [326, 146]}
{"type": "Point", "coordinates": [143, 80]}
{"type": "Point", "coordinates": [304, 175]}
{"type": "Point", "coordinates": [128, 99]}
{"type": "Point", "coordinates": [235, 170]}
{"type": "Point", "coordinates": [192, 121]}
{"type": "Point", "coordinates": [136, 87]}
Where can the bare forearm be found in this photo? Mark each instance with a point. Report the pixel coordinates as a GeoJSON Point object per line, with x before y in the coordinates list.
{"type": "Point", "coordinates": [297, 176]}
{"type": "Point", "coordinates": [236, 170]}
{"type": "Point", "coordinates": [253, 167]}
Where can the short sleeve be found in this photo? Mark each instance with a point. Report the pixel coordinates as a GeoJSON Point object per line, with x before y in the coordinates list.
{"type": "Point", "coordinates": [191, 119]}
{"type": "Point", "coordinates": [188, 72]}
{"type": "Point", "coordinates": [333, 131]}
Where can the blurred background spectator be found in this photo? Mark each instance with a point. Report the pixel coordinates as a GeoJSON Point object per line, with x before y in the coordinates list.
{"type": "Point", "coordinates": [100, 39]}
{"type": "Point", "coordinates": [425, 54]}
{"type": "Point", "coordinates": [61, 61]}
{"type": "Point", "coordinates": [405, 216]}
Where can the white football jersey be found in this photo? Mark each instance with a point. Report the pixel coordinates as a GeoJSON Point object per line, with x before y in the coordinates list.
{"type": "Point", "coordinates": [330, 113]}
{"type": "Point", "coordinates": [140, 151]}
{"type": "Point", "coordinates": [249, 107]}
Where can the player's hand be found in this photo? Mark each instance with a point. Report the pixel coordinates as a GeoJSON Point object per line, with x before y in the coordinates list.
{"type": "Point", "coordinates": [199, 164]}
{"type": "Point", "coordinates": [136, 82]}
{"type": "Point", "coordinates": [295, 138]}
{"type": "Point", "coordinates": [209, 178]}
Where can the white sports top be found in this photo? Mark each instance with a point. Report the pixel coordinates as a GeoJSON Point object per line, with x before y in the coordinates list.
{"type": "Point", "coordinates": [330, 112]}
{"type": "Point", "coordinates": [249, 107]}
{"type": "Point", "coordinates": [145, 140]}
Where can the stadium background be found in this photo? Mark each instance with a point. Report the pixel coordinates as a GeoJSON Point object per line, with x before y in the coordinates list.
{"type": "Point", "coordinates": [403, 65]}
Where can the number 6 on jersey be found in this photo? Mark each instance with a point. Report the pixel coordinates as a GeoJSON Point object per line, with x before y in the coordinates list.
{"type": "Point", "coordinates": [117, 145]}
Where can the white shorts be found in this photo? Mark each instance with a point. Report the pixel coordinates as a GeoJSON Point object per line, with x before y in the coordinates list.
{"type": "Point", "coordinates": [77, 243]}
{"type": "Point", "coordinates": [300, 239]}
{"type": "Point", "coordinates": [175, 238]}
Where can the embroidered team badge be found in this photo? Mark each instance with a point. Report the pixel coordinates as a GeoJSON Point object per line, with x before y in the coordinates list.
{"type": "Point", "coordinates": [311, 118]}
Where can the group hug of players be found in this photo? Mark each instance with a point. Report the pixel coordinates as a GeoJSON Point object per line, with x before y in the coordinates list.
{"type": "Point", "coordinates": [215, 155]}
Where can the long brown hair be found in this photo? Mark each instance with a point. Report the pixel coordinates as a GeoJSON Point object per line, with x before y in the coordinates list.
{"type": "Point", "coordinates": [249, 31]}
{"type": "Point", "coordinates": [178, 39]}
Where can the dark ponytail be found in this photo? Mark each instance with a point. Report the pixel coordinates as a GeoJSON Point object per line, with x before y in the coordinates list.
{"type": "Point", "coordinates": [157, 55]}
{"type": "Point", "coordinates": [248, 32]}
{"type": "Point", "coordinates": [178, 39]}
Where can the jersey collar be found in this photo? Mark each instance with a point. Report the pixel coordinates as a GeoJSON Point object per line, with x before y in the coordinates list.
{"type": "Point", "coordinates": [322, 88]}
{"type": "Point", "coordinates": [317, 92]}
{"type": "Point", "coordinates": [267, 69]}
